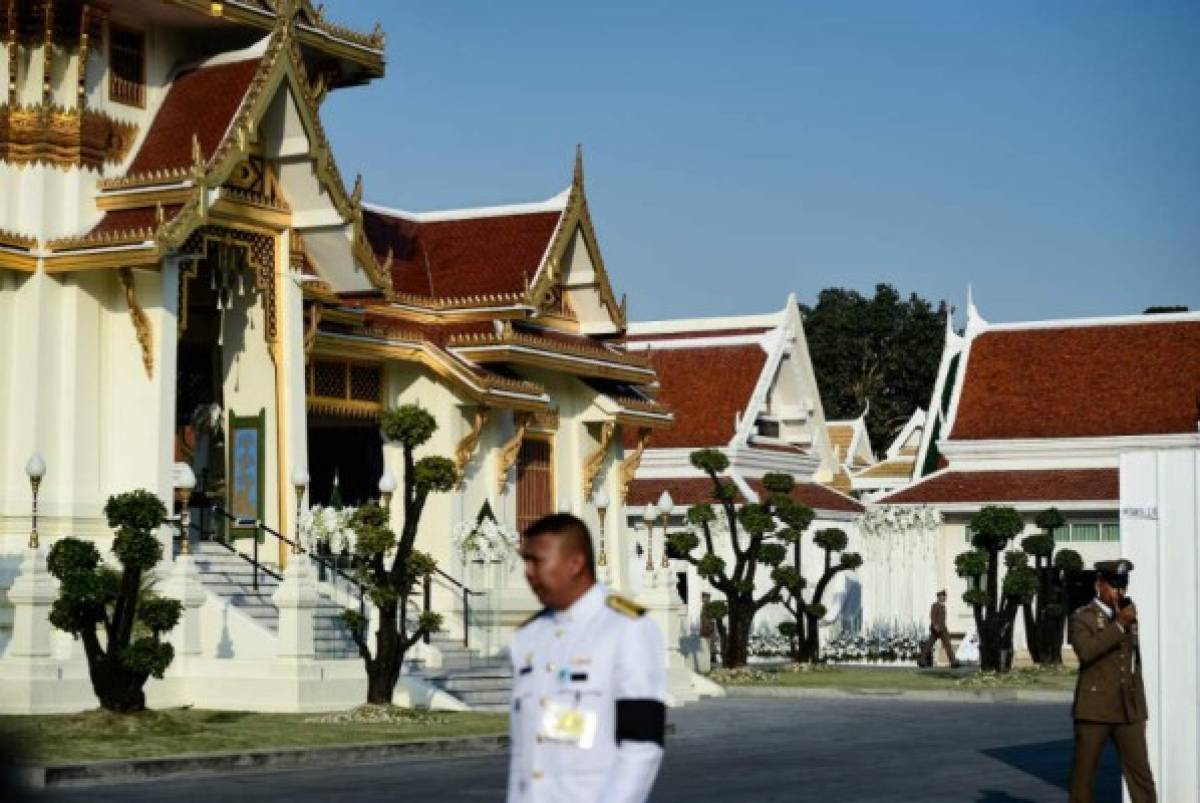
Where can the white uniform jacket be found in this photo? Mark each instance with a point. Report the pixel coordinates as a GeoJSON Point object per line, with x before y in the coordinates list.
{"type": "Point", "coordinates": [600, 667]}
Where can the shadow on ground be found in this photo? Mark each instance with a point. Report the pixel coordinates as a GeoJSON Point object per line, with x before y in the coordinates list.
{"type": "Point", "coordinates": [1051, 762]}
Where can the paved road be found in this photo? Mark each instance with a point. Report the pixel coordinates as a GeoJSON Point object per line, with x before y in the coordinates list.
{"type": "Point", "coordinates": [876, 750]}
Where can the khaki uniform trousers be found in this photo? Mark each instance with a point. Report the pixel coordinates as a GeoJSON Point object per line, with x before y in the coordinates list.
{"type": "Point", "coordinates": [927, 648]}
{"type": "Point", "coordinates": [1130, 739]}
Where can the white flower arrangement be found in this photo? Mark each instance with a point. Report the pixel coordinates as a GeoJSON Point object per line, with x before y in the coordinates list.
{"type": "Point", "coordinates": [886, 520]}
{"type": "Point", "coordinates": [484, 539]}
{"type": "Point", "coordinates": [879, 643]}
{"type": "Point", "coordinates": [328, 527]}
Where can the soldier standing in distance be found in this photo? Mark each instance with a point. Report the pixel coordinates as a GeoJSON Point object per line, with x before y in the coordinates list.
{"type": "Point", "coordinates": [1110, 698]}
{"type": "Point", "coordinates": [938, 631]}
{"type": "Point", "coordinates": [589, 680]}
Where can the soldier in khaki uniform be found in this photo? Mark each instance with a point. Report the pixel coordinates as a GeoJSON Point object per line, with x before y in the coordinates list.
{"type": "Point", "coordinates": [1110, 699]}
{"type": "Point", "coordinates": [938, 632]}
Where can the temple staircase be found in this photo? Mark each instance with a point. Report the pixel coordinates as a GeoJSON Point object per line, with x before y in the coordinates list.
{"type": "Point", "coordinates": [231, 578]}
{"type": "Point", "coordinates": [483, 683]}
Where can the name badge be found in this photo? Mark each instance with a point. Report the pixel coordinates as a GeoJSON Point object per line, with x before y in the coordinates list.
{"type": "Point", "coordinates": [573, 726]}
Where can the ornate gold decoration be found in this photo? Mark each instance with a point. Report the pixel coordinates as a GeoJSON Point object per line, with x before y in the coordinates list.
{"type": "Point", "coordinates": [186, 274]}
{"type": "Point", "coordinates": [594, 461]}
{"type": "Point", "coordinates": [469, 442]}
{"type": "Point", "coordinates": [62, 137]}
{"type": "Point", "coordinates": [629, 465]}
{"type": "Point", "coordinates": [310, 333]}
{"type": "Point", "coordinates": [48, 52]}
{"type": "Point", "coordinates": [259, 250]}
{"type": "Point", "coordinates": [10, 43]}
{"type": "Point", "coordinates": [509, 451]}
{"type": "Point", "coordinates": [141, 324]}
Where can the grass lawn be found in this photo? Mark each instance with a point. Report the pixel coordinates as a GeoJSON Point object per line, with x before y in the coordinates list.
{"type": "Point", "coordinates": [899, 678]}
{"type": "Point", "coordinates": [96, 735]}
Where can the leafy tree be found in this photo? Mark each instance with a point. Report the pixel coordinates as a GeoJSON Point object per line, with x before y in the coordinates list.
{"type": "Point", "coordinates": [995, 607]}
{"type": "Point", "coordinates": [884, 350]}
{"type": "Point", "coordinates": [808, 613]}
{"type": "Point", "coordinates": [1045, 618]}
{"type": "Point", "coordinates": [392, 568]}
{"type": "Point", "coordinates": [758, 534]}
{"type": "Point", "coordinates": [94, 595]}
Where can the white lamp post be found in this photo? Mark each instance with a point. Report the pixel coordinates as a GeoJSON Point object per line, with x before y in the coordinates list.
{"type": "Point", "coordinates": [649, 515]}
{"type": "Point", "coordinates": [387, 487]}
{"type": "Point", "coordinates": [185, 481]}
{"type": "Point", "coordinates": [665, 505]}
{"type": "Point", "coordinates": [35, 467]}
{"type": "Point", "coordinates": [600, 500]}
{"type": "Point", "coordinates": [299, 482]}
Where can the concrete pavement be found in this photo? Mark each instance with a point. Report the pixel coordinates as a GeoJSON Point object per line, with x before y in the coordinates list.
{"type": "Point", "coordinates": [854, 750]}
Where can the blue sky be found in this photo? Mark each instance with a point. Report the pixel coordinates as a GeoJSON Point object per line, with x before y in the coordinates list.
{"type": "Point", "coordinates": [1046, 153]}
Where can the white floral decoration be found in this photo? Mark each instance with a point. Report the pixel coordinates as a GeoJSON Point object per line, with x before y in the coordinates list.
{"type": "Point", "coordinates": [328, 526]}
{"type": "Point", "coordinates": [485, 540]}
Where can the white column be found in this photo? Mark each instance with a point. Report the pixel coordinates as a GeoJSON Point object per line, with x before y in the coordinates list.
{"type": "Point", "coordinates": [184, 584]}
{"type": "Point", "coordinates": [663, 605]}
{"type": "Point", "coordinates": [31, 595]}
{"type": "Point", "coordinates": [1160, 516]}
{"type": "Point", "coordinates": [296, 598]}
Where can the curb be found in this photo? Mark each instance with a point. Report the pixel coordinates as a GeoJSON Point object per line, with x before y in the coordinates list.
{"type": "Point", "coordinates": [979, 696]}
{"type": "Point", "coordinates": [147, 769]}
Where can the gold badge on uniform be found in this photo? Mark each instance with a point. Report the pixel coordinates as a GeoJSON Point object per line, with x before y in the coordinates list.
{"type": "Point", "coordinates": [574, 726]}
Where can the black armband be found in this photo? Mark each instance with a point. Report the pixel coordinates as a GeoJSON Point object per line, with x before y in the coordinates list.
{"type": "Point", "coordinates": [641, 721]}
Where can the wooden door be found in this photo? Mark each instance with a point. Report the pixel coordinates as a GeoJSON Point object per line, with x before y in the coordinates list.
{"type": "Point", "coordinates": [535, 482]}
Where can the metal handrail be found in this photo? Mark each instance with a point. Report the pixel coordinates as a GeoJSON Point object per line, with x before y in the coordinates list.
{"type": "Point", "coordinates": [297, 549]}
{"type": "Point", "coordinates": [325, 563]}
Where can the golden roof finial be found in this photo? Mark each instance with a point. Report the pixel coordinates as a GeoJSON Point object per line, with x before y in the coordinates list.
{"type": "Point", "coordinates": [356, 195]}
{"type": "Point", "coordinates": [197, 156]}
{"type": "Point", "coordinates": [577, 178]}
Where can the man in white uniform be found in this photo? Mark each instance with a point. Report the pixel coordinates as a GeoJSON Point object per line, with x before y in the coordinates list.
{"type": "Point", "coordinates": [589, 681]}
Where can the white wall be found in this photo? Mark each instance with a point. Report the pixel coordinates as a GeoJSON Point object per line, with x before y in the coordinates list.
{"type": "Point", "coordinates": [1160, 519]}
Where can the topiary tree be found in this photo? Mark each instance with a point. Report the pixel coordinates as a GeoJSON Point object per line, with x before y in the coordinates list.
{"type": "Point", "coordinates": [391, 568]}
{"type": "Point", "coordinates": [808, 613]}
{"type": "Point", "coordinates": [995, 607]}
{"type": "Point", "coordinates": [1045, 618]}
{"type": "Point", "coordinates": [758, 535]}
{"type": "Point", "coordinates": [94, 595]}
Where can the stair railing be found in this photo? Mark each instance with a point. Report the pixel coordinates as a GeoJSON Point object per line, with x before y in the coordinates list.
{"type": "Point", "coordinates": [467, 593]}
{"type": "Point", "coordinates": [323, 561]}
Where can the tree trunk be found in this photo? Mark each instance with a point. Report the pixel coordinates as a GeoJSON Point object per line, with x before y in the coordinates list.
{"type": "Point", "coordinates": [1033, 630]}
{"type": "Point", "coordinates": [736, 650]}
{"type": "Point", "coordinates": [812, 645]}
{"type": "Point", "coordinates": [117, 689]}
{"type": "Point", "coordinates": [384, 669]}
{"type": "Point", "coordinates": [989, 645]}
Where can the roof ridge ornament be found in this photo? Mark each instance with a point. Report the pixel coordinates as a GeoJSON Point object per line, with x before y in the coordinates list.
{"type": "Point", "coordinates": [577, 175]}
{"type": "Point", "coordinates": [975, 322]}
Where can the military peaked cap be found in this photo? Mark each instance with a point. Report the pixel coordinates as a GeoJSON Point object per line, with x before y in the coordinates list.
{"type": "Point", "coordinates": [1114, 572]}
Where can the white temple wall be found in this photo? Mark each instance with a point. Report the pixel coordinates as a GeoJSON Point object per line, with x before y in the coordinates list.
{"type": "Point", "coordinates": [249, 387]}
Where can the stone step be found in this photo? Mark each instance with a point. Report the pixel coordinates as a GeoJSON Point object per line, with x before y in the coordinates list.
{"type": "Point", "coordinates": [461, 685]}
{"type": "Point", "coordinates": [480, 698]}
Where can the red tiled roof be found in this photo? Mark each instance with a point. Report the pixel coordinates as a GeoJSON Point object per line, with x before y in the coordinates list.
{"type": "Point", "coordinates": [203, 102]}
{"type": "Point", "coordinates": [693, 490]}
{"type": "Point", "coordinates": [818, 497]}
{"type": "Point", "coordinates": [121, 220]}
{"type": "Point", "coordinates": [745, 330]}
{"type": "Point", "coordinates": [706, 387]}
{"type": "Point", "coordinates": [458, 258]}
{"type": "Point", "coordinates": [1089, 381]}
{"type": "Point", "coordinates": [1039, 485]}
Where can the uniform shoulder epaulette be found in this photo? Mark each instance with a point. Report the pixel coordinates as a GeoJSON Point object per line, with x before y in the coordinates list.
{"type": "Point", "coordinates": [533, 618]}
{"type": "Point", "coordinates": [625, 607]}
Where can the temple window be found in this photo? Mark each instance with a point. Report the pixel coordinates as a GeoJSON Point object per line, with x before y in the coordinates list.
{"type": "Point", "coordinates": [127, 66]}
{"type": "Point", "coordinates": [535, 482]}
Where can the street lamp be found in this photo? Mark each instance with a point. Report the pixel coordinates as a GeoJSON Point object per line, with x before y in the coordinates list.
{"type": "Point", "coordinates": [387, 487]}
{"type": "Point", "coordinates": [600, 500]}
{"type": "Point", "coordinates": [36, 469]}
{"type": "Point", "coordinates": [665, 505]}
{"type": "Point", "coordinates": [649, 516]}
{"type": "Point", "coordinates": [299, 482]}
{"type": "Point", "coordinates": [185, 481]}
